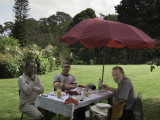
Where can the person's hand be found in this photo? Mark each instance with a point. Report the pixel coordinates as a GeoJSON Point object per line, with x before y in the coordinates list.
{"type": "Point", "coordinates": [33, 77]}
{"type": "Point", "coordinates": [105, 87]}
{"type": "Point", "coordinates": [62, 85]}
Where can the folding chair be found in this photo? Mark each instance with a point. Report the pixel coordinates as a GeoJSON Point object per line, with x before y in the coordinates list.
{"type": "Point", "coordinates": [138, 109]}
{"type": "Point", "coordinates": [22, 112]}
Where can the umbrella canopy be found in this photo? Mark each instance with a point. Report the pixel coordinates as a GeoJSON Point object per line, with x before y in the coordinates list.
{"type": "Point", "coordinates": [93, 33]}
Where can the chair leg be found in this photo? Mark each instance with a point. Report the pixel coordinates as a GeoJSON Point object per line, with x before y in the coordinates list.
{"type": "Point", "coordinates": [21, 116]}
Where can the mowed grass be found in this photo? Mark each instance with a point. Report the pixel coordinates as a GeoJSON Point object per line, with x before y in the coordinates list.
{"type": "Point", "coordinates": [143, 80]}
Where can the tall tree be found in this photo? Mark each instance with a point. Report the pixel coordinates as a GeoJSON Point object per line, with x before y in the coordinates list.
{"type": "Point", "coordinates": [8, 26]}
{"type": "Point", "coordinates": [143, 14]}
{"type": "Point", "coordinates": [21, 9]}
{"type": "Point", "coordinates": [83, 15]}
{"type": "Point", "coordinates": [1, 29]}
{"type": "Point", "coordinates": [149, 20]}
{"type": "Point", "coordinates": [128, 11]}
{"type": "Point", "coordinates": [59, 23]}
{"type": "Point", "coordinates": [78, 51]}
{"type": "Point", "coordinates": [111, 17]}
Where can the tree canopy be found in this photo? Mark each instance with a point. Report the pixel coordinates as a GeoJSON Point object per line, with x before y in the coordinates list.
{"type": "Point", "coordinates": [19, 31]}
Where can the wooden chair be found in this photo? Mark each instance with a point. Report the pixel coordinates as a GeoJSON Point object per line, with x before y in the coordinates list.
{"type": "Point", "coordinates": [115, 112]}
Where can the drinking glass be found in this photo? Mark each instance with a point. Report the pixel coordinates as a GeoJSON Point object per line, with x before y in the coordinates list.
{"type": "Point", "coordinates": [59, 91]}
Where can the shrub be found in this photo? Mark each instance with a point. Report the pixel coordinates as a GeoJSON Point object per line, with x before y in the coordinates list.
{"type": "Point", "coordinates": [49, 52]}
{"type": "Point", "coordinates": [12, 58]}
{"type": "Point", "coordinates": [7, 43]}
{"type": "Point", "coordinates": [34, 53]}
{"type": "Point", "coordinates": [9, 66]}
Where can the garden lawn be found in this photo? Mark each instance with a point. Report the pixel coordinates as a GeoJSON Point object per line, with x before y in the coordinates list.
{"type": "Point", "coordinates": [143, 80]}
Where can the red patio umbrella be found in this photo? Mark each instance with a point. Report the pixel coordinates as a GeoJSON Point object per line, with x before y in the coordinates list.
{"type": "Point", "coordinates": [96, 32]}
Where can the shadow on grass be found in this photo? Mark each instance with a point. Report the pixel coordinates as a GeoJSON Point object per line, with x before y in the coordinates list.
{"type": "Point", "coordinates": [151, 108]}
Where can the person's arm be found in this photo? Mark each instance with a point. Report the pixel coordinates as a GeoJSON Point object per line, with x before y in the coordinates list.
{"type": "Point", "coordinates": [56, 81]}
{"type": "Point", "coordinates": [38, 86]}
{"type": "Point", "coordinates": [106, 87]}
{"type": "Point", "coordinates": [73, 83]}
{"type": "Point", "coordinates": [25, 86]}
{"type": "Point", "coordinates": [56, 84]}
{"type": "Point", "coordinates": [70, 86]}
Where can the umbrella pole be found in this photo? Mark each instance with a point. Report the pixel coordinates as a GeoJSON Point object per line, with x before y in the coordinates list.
{"type": "Point", "coordinates": [104, 57]}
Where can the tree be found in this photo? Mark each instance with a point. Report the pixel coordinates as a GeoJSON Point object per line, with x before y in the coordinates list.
{"type": "Point", "coordinates": [149, 20]}
{"type": "Point", "coordinates": [128, 11]}
{"type": "Point", "coordinates": [19, 31]}
{"type": "Point", "coordinates": [1, 29]}
{"type": "Point", "coordinates": [78, 51]}
{"type": "Point", "coordinates": [8, 26]}
{"type": "Point", "coordinates": [143, 14]}
{"type": "Point", "coordinates": [111, 17]}
{"type": "Point", "coordinates": [59, 23]}
{"type": "Point", "coordinates": [83, 15]}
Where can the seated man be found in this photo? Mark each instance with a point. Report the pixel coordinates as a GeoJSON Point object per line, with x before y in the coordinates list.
{"type": "Point", "coordinates": [124, 92]}
{"type": "Point", "coordinates": [30, 87]}
{"type": "Point", "coordinates": [65, 80]}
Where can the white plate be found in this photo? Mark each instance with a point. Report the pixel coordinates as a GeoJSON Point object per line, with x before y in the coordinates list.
{"type": "Point", "coordinates": [78, 97]}
{"type": "Point", "coordinates": [102, 105]}
{"type": "Point", "coordinates": [53, 94]}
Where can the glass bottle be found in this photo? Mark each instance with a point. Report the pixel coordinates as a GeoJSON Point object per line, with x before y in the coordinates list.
{"type": "Point", "coordinates": [100, 85]}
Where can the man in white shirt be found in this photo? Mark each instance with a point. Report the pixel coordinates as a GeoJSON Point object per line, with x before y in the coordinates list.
{"type": "Point", "coordinates": [65, 79]}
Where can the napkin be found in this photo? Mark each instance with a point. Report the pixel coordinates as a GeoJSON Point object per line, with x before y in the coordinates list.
{"type": "Point", "coordinates": [72, 92]}
{"type": "Point", "coordinates": [70, 100]}
{"type": "Point", "coordinates": [81, 86]}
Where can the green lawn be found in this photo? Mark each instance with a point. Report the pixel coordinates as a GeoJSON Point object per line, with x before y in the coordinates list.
{"type": "Point", "coordinates": [143, 80]}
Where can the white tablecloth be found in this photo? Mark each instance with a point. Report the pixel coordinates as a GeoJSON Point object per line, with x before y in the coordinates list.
{"type": "Point", "coordinates": [56, 105]}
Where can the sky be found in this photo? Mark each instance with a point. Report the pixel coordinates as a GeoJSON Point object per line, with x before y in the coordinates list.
{"type": "Point", "coordinates": [46, 8]}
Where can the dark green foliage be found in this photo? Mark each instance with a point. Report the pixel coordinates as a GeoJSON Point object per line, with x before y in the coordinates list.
{"type": "Point", "coordinates": [7, 42]}
{"type": "Point", "coordinates": [10, 60]}
{"type": "Point", "coordinates": [111, 17]}
{"type": "Point", "coordinates": [83, 15]}
{"type": "Point", "coordinates": [9, 67]}
{"type": "Point", "coordinates": [143, 14]}
{"type": "Point", "coordinates": [6, 30]}
{"type": "Point", "coordinates": [57, 22]}
{"type": "Point", "coordinates": [48, 30]}
{"type": "Point", "coordinates": [1, 29]}
{"type": "Point", "coordinates": [21, 9]}
{"type": "Point", "coordinates": [80, 53]}
{"type": "Point", "coordinates": [19, 31]}
{"type": "Point", "coordinates": [128, 11]}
